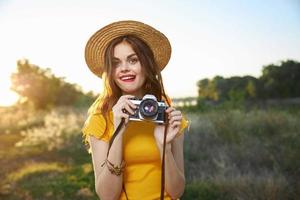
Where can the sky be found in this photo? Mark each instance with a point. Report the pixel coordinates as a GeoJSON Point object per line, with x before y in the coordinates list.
{"type": "Point", "coordinates": [208, 38]}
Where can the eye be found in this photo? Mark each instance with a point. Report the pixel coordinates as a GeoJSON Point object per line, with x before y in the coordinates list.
{"type": "Point", "coordinates": [116, 63]}
{"type": "Point", "coordinates": [133, 60]}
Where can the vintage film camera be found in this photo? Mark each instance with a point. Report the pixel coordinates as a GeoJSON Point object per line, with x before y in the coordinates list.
{"type": "Point", "coordinates": [149, 109]}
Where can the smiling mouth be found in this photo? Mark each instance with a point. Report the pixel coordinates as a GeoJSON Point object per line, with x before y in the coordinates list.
{"type": "Point", "coordinates": [127, 78]}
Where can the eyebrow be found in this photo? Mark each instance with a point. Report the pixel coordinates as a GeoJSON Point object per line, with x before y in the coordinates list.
{"type": "Point", "coordinates": [131, 55]}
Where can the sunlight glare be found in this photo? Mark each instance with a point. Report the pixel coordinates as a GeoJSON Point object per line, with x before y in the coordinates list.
{"type": "Point", "coordinates": [7, 96]}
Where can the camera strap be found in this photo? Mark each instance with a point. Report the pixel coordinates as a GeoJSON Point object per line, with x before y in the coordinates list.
{"type": "Point", "coordinates": [162, 189]}
{"type": "Point", "coordinates": [115, 134]}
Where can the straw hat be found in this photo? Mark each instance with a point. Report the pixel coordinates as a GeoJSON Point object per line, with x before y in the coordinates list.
{"type": "Point", "coordinates": [97, 44]}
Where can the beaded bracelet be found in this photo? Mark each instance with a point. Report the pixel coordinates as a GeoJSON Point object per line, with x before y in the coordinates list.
{"type": "Point", "coordinates": [114, 169]}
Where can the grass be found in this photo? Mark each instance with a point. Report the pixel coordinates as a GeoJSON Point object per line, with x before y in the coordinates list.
{"type": "Point", "coordinates": [61, 174]}
{"type": "Point", "coordinates": [32, 170]}
{"type": "Point", "coordinates": [229, 154]}
{"type": "Point", "coordinates": [247, 154]}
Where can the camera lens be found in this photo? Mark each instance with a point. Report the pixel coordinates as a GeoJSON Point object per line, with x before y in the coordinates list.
{"type": "Point", "coordinates": [148, 108]}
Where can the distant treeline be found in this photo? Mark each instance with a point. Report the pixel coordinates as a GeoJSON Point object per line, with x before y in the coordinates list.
{"type": "Point", "coordinates": [276, 82]}
{"type": "Point", "coordinates": [41, 89]}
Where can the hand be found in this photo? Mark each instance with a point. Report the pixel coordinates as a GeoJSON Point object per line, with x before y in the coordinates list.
{"type": "Point", "coordinates": [174, 123]}
{"type": "Point", "coordinates": [122, 109]}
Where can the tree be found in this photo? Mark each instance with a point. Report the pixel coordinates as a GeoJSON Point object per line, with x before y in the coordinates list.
{"type": "Point", "coordinates": [42, 88]}
{"type": "Point", "coordinates": [281, 81]}
{"type": "Point", "coordinates": [277, 81]}
{"type": "Point", "coordinates": [226, 89]}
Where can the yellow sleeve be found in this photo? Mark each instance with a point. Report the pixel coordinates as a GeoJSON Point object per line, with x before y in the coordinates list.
{"type": "Point", "coordinates": [99, 127]}
{"type": "Point", "coordinates": [184, 125]}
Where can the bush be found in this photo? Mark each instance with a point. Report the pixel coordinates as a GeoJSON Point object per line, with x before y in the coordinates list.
{"type": "Point", "coordinates": [205, 191]}
{"type": "Point", "coordinates": [59, 126]}
{"type": "Point", "coordinates": [240, 146]}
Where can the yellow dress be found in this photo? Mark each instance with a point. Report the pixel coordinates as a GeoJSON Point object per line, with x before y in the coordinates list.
{"type": "Point", "coordinates": [142, 172]}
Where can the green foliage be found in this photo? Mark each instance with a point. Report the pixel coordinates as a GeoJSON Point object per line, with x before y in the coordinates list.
{"type": "Point", "coordinates": [85, 100]}
{"type": "Point", "coordinates": [250, 154]}
{"type": "Point", "coordinates": [42, 89]}
{"type": "Point", "coordinates": [277, 81]}
{"type": "Point", "coordinates": [281, 81]}
{"type": "Point", "coordinates": [251, 89]}
{"type": "Point", "coordinates": [205, 191]}
{"type": "Point", "coordinates": [229, 155]}
{"type": "Point", "coordinates": [59, 126]}
{"type": "Point", "coordinates": [18, 118]}
{"type": "Point", "coordinates": [62, 185]}
{"type": "Point", "coordinates": [221, 89]}
{"type": "Point", "coordinates": [35, 171]}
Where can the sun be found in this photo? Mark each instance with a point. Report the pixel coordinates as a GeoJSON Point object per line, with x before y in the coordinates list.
{"type": "Point", "coordinates": [7, 96]}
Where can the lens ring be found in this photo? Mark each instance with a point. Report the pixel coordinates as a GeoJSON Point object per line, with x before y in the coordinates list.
{"type": "Point", "coordinates": [148, 108]}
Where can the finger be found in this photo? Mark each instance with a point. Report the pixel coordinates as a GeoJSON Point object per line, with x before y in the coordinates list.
{"type": "Point", "coordinates": [124, 98]}
{"type": "Point", "coordinates": [132, 105]}
{"type": "Point", "coordinates": [121, 115]}
{"type": "Point", "coordinates": [170, 109]}
{"type": "Point", "coordinates": [175, 124]}
{"type": "Point", "coordinates": [128, 109]}
{"type": "Point", "coordinates": [124, 115]}
{"type": "Point", "coordinates": [174, 113]}
{"type": "Point", "coordinates": [126, 121]}
{"type": "Point", "coordinates": [175, 118]}
{"type": "Point", "coordinates": [175, 121]}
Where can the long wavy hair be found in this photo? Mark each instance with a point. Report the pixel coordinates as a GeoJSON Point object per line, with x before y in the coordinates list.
{"type": "Point", "coordinates": [153, 79]}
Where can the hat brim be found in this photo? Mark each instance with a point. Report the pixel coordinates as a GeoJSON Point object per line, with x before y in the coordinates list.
{"type": "Point", "coordinates": [97, 44]}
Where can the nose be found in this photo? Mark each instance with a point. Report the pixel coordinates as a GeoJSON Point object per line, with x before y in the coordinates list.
{"type": "Point", "coordinates": [124, 66]}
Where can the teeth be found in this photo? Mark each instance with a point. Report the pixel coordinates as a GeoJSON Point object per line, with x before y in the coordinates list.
{"type": "Point", "coordinates": [127, 77]}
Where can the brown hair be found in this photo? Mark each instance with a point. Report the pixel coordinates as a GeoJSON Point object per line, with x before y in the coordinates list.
{"type": "Point", "coordinates": [153, 79]}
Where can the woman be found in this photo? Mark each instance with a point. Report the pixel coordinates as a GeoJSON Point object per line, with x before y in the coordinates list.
{"type": "Point", "coordinates": [129, 56]}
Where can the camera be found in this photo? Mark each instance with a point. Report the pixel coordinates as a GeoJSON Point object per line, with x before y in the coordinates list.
{"type": "Point", "coordinates": [149, 109]}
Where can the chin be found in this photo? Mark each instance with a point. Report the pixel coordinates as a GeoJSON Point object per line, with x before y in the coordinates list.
{"type": "Point", "coordinates": [131, 92]}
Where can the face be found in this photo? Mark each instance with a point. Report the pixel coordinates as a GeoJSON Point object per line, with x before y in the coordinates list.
{"type": "Point", "coordinates": [128, 73]}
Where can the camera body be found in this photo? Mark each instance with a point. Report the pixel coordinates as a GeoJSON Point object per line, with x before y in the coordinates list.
{"type": "Point", "coordinates": [149, 109]}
